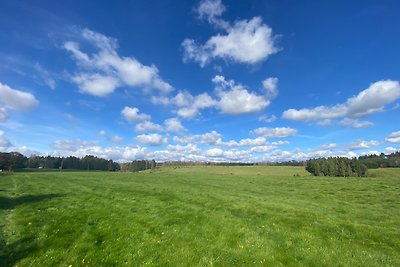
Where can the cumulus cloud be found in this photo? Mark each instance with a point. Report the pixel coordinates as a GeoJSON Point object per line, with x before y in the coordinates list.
{"type": "Point", "coordinates": [259, 141]}
{"type": "Point", "coordinates": [190, 106]}
{"type": "Point", "coordinates": [389, 150]}
{"type": "Point", "coordinates": [152, 139]}
{"type": "Point", "coordinates": [102, 72]}
{"type": "Point", "coordinates": [148, 126]}
{"type": "Point", "coordinates": [211, 10]}
{"type": "Point", "coordinates": [245, 41]}
{"type": "Point", "coordinates": [79, 148]}
{"type": "Point", "coordinates": [354, 123]}
{"type": "Point", "coordinates": [73, 145]}
{"type": "Point", "coordinates": [363, 144]}
{"type": "Point", "coordinates": [132, 114]}
{"type": "Point", "coordinates": [268, 119]}
{"type": "Point", "coordinates": [116, 139]}
{"type": "Point", "coordinates": [328, 146]}
{"type": "Point", "coordinates": [369, 101]}
{"type": "Point", "coordinates": [394, 137]}
{"type": "Point", "coordinates": [271, 87]}
{"type": "Point", "coordinates": [174, 125]}
{"type": "Point", "coordinates": [4, 142]}
{"type": "Point", "coordinates": [189, 148]}
{"type": "Point", "coordinates": [235, 99]}
{"type": "Point", "coordinates": [244, 150]}
{"type": "Point", "coordinates": [231, 98]}
{"type": "Point", "coordinates": [15, 99]}
{"type": "Point", "coordinates": [214, 138]}
{"type": "Point", "coordinates": [278, 132]}
{"type": "Point", "coordinates": [214, 152]}
{"type": "Point", "coordinates": [240, 101]}
{"type": "Point", "coordinates": [95, 84]}
{"type": "Point", "coordinates": [210, 138]}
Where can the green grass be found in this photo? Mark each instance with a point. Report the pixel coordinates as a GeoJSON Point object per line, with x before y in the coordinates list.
{"type": "Point", "coordinates": [199, 216]}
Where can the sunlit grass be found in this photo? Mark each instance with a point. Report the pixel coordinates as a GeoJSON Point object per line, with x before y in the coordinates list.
{"type": "Point", "coordinates": [199, 216]}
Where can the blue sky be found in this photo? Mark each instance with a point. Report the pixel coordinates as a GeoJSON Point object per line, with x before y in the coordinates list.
{"type": "Point", "coordinates": [200, 80]}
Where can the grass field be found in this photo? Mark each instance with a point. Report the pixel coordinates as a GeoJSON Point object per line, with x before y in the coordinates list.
{"type": "Point", "coordinates": [199, 216]}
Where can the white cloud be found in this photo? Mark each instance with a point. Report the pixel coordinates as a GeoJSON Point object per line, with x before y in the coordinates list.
{"type": "Point", "coordinates": [328, 146]}
{"type": "Point", "coordinates": [45, 76]}
{"type": "Point", "coordinates": [191, 106]}
{"type": "Point", "coordinates": [103, 133]}
{"type": "Point", "coordinates": [268, 119]}
{"type": "Point", "coordinates": [73, 145]}
{"type": "Point", "coordinates": [189, 148]}
{"type": "Point", "coordinates": [4, 142]}
{"type": "Point", "coordinates": [79, 148]}
{"type": "Point", "coordinates": [394, 137]}
{"type": "Point", "coordinates": [362, 144]}
{"type": "Point", "coordinates": [173, 125]}
{"type": "Point", "coordinates": [211, 10]}
{"type": "Point", "coordinates": [101, 73]}
{"type": "Point", "coordinates": [114, 138]}
{"type": "Point", "coordinates": [240, 101]}
{"type": "Point", "coordinates": [160, 100]}
{"type": "Point", "coordinates": [354, 123]}
{"type": "Point", "coordinates": [389, 150]}
{"type": "Point", "coordinates": [271, 87]}
{"type": "Point", "coordinates": [262, 149]}
{"type": "Point", "coordinates": [152, 139]}
{"type": "Point", "coordinates": [278, 132]}
{"type": "Point", "coordinates": [71, 119]}
{"type": "Point", "coordinates": [259, 141]}
{"type": "Point", "coordinates": [235, 99]}
{"type": "Point", "coordinates": [319, 113]}
{"type": "Point", "coordinates": [232, 98]}
{"type": "Point", "coordinates": [211, 138]}
{"type": "Point", "coordinates": [148, 126]}
{"type": "Point", "coordinates": [246, 41]}
{"type": "Point", "coordinates": [374, 98]}
{"type": "Point", "coordinates": [3, 114]}
{"type": "Point", "coordinates": [369, 101]}
{"type": "Point", "coordinates": [132, 114]}
{"type": "Point", "coordinates": [16, 99]}
{"type": "Point", "coordinates": [214, 152]}
{"type": "Point", "coordinates": [95, 84]}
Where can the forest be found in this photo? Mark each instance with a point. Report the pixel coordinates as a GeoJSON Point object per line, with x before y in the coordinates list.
{"type": "Point", "coordinates": [14, 160]}
{"type": "Point", "coordinates": [333, 166]}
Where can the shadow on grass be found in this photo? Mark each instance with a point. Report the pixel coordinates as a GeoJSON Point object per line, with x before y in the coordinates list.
{"type": "Point", "coordinates": [13, 252]}
{"type": "Point", "coordinates": [7, 203]}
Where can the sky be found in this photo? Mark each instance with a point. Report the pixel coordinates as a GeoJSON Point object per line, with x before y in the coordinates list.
{"type": "Point", "coordinates": [209, 80]}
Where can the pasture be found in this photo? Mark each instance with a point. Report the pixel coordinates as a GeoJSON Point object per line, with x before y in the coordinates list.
{"type": "Point", "coordinates": [199, 216]}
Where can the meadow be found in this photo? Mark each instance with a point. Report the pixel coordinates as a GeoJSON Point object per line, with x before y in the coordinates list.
{"type": "Point", "coordinates": [199, 216]}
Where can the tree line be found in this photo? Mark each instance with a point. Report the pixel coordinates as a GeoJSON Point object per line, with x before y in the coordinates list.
{"type": "Point", "coordinates": [381, 161]}
{"type": "Point", "coordinates": [138, 165]}
{"type": "Point", "coordinates": [336, 166]}
{"type": "Point", "coordinates": [14, 160]}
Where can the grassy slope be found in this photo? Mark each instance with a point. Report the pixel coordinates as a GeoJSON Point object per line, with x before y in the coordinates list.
{"type": "Point", "coordinates": [222, 216]}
